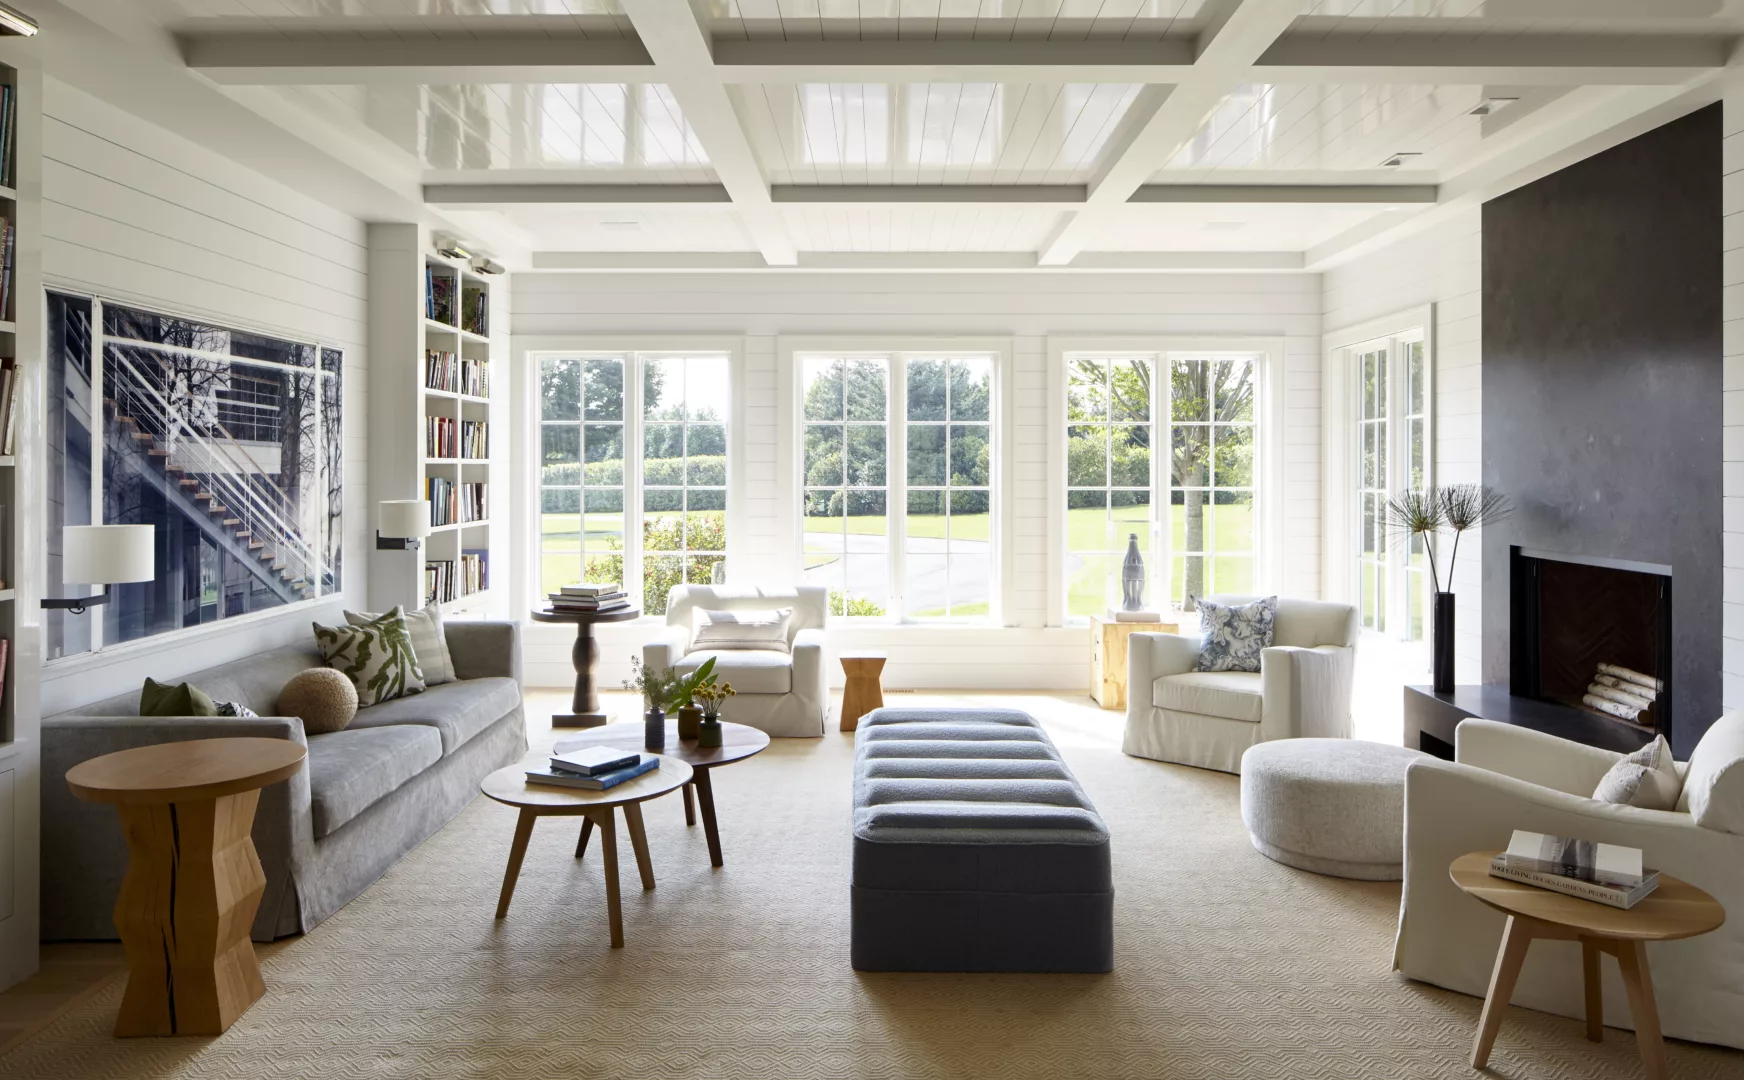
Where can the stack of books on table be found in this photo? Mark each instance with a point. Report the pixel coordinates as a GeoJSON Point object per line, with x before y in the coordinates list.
{"type": "Point", "coordinates": [594, 768]}
{"type": "Point", "coordinates": [1608, 873]}
{"type": "Point", "coordinates": [589, 598]}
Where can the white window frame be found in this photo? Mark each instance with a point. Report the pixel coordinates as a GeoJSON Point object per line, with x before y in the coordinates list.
{"type": "Point", "coordinates": [1339, 413]}
{"type": "Point", "coordinates": [524, 505]}
{"type": "Point", "coordinates": [1267, 353]}
{"type": "Point", "coordinates": [790, 464]}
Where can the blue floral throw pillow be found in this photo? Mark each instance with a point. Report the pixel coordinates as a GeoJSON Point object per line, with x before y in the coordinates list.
{"type": "Point", "coordinates": [1234, 636]}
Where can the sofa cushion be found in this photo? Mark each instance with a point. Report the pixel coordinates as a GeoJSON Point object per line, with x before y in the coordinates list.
{"type": "Point", "coordinates": [459, 710]}
{"type": "Point", "coordinates": [1232, 695]}
{"type": "Point", "coordinates": [751, 671]}
{"type": "Point", "coordinates": [1713, 785]}
{"type": "Point", "coordinates": [349, 771]}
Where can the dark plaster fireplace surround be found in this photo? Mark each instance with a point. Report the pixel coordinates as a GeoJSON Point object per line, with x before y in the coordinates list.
{"type": "Point", "coordinates": [1568, 614]}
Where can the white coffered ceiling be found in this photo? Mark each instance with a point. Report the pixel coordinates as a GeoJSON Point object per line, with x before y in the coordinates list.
{"type": "Point", "coordinates": [928, 133]}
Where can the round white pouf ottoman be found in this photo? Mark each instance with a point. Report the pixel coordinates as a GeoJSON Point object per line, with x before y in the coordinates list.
{"type": "Point", "coordinates": [1329, 806]}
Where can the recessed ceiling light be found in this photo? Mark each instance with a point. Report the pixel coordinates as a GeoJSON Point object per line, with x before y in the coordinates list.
{"type": "Point", "coordinates": [1398, 159]}
{"type": "Point", "coordinates": [1492, 105]}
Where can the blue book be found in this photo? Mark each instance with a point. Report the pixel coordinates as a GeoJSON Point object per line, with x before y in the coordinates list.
{"type": "Point", "coordinates": [601, 782]}
{"type": "Point", "coordinates": [594, 760]}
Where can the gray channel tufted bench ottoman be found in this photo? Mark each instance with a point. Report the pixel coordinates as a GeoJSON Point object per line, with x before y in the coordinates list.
{"type": "Point", "coordinates": [1328, 806]}
{"type": "Point", "coordinates": [974, 848]}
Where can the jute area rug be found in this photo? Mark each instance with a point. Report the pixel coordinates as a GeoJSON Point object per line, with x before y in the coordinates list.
{"type": "Point", "coordinates": [1227, 964]}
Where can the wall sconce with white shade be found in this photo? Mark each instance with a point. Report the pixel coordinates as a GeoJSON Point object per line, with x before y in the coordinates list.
{"type": "Point", "coordinates": [401, 524]}
{"type": "Point", "coordinates": [104, 555]}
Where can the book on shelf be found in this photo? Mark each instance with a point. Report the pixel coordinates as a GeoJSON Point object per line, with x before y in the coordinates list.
{"type": "Point", "coordinates": [474, 439]}
{"type": "Point", "coordinates": [474, 377]}
{"type": "Point", "coordinates": [8, 407]}
{"type": "Point", "coordinates": [1610, 874]}
{"type": "Point", "coordinates": [593, 760]}
{"type": "Point", "coordinates": [8, 135]}
{"type": "Point", "coordinates": [475, 310]}
{"type": "Point", "coordinates": [602, 782]}
{"type": "Point", "coordinates": [438, 581]}
{"type": "Point", "coordinates": [8, 238]}
{"type": "Point", "coordinates": [441, 371]}
{"type": "Point", "coordinates": [439, 296]}
{"type": "Point", "coordinates": [456, 504]}
{"type": "Point", "coordinates": [474, 571]}
{"type": "Point", "coordinates": [5, 653]}
{"type": "Point", "coordinates": [439, 437]}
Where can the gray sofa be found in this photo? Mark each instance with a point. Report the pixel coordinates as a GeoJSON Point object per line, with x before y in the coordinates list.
{"type": "Point", "coordinates": [366, 795]}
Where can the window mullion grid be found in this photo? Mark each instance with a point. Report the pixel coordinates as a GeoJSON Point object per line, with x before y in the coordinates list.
{"type": "Point", "coordinates": [1162, 478]}
{"type": "Point", "coordinates": [896, 484]}
{"type": "Point", "coordinates": [632, 436]}
{"type": "Point", "coordinates": [98, 476]}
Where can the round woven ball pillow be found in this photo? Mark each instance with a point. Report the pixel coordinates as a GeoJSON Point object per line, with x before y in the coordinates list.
{"type": "Point", "coordinates": [322, 698]}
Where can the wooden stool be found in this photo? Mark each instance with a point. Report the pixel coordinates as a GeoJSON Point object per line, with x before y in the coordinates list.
{"type": "Point", "coordinates": [862, 693]}
{"type": "Point", "coordinates": [1676, 909]}
{"type": "Point", "coordinates": [193, 879]}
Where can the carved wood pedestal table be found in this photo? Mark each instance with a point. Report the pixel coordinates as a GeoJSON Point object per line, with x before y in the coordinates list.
{"type": "Point", "coordinates": [585, 706]}
{"type": "Point", "coordinates": [738, 742]}
{"type": "Point", "coordinates": [193, 879]}
{"type": "Point", "coordinates": [510, 787]}
{"type": "Point", "coordinates": [1676, 909]}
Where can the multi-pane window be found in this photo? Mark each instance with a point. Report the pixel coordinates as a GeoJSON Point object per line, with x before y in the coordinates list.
{"type": "Point", "coordinates": [1108, 475]}
{"type": "Point", "coordinates": [672, 493]}
{"type": "Point", "coordinates": [1392, 457]}
{"type": "Point", "coordinates": [1116, 411]}
{"type": "Point", "coordinates": [897, 463]}
{"type": "Point", "coordinates": [846, 444]}
{"type": "Point", "coordinates": [684, 474]}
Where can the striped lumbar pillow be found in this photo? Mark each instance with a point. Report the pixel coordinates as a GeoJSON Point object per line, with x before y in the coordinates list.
{"type": "Point", "coordinates": [757, 629]}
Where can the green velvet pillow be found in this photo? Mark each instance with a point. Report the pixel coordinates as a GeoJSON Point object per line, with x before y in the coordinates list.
{"type": "Point", "coordinates": [157, 699]}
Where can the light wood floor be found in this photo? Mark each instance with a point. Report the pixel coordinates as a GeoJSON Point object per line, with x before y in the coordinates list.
{"type": "Point", "coordinates": [70, 973]}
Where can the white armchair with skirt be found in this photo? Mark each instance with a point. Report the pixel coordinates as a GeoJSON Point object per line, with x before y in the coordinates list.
{"type": "Point", "coordinates": [780, 691]}
{"type": "Point", "coordinates": [1174, 712]}
{"type": "Point", "coordinates": [1508, 778]}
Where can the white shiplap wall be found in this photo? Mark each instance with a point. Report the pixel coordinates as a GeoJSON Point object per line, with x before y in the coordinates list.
{"type": "Point", "coordinates": [1027, 308]}
{"type": "Point", "coordinates": [132, 212]}
{"type": "Point", "coordinates": [1444, 267]}
{"type": "Point", "coordinates": [1732, 486]}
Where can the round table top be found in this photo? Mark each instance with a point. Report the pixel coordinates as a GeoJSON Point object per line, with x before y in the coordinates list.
{"type": "Point", "coordinates": [738, 742]}
{"type": "Point", "coordinates": [620, 615]}
{"type": "Point", "coordinates": [1676, 909]}
{"type": "Point", "coordinates": [510, 787]}
{"type": "Point", "coordinates": [185, 771]}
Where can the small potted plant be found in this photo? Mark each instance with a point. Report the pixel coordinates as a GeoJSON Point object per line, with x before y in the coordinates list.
{"type": "Point", "coordinates": [711, 697]}
{"type": "Point", "coordinates": [683, 700]}
{"type": "Point", "coordinates": [656, 685]}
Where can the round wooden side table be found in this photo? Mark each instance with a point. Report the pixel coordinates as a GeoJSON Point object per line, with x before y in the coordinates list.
{"type": "Point", "coordinates": [862, 692]}
{"type": "Point", "coordinates": [1676, 909]}
{"type": "Point", "coordinates": [738, 742]}
{"type": "Point", "coordinates": [585, 705]}
{"type": "Point", "coordinates": [510, 787]}
{"type": "Point", "coordinates": [193, 878]}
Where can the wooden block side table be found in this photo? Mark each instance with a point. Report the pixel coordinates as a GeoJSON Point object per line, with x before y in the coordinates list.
{"type": "Point", "coordinates": [1676, 909]}
{"type": "Point", "coordinates": [1108, 641]}
{"type": "Point", "coordinates": [862, 692]}
{"type": "Point", "coordinates": [194, 881]}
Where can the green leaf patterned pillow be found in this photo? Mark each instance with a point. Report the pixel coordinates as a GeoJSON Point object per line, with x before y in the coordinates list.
{"type": "Point", "coordinates": [377, 657]}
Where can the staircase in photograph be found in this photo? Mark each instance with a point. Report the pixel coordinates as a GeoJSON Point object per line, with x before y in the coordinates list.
{"type": "Point", "coordinates": [210, 476]}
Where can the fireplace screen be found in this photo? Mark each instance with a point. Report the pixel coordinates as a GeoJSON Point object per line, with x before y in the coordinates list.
{"type": "Point", "coordinates": [1594, 634]}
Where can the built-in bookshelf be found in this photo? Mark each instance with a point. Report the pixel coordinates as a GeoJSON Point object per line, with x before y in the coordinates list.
{"type": "Point", "coordinates": [22, 492]}
{"type": "Point", "coordinates": [435, 350]}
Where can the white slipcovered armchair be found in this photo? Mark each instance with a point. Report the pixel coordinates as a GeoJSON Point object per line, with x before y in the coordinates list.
{"type": "Point", "coordinates": [1509, 778]}
{"type": "Point", "coordinates": [1209, 718]}
{"type": "Point", "coordinates": [783, 693]}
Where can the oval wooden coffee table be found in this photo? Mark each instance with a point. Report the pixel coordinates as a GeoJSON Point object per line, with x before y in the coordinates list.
{"type": "Point", "coordinates": [193, 878]}
{"type": "Point", "coordinates": [1676, 909]}
{"type": "Point", "coordinates": [738, 742]}
{"type": "Point", "coordinates": [510, 787]}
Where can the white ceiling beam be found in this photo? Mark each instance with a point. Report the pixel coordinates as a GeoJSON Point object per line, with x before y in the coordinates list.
{"type": "Point", "coordinates": [1137, 262]}
{"type": "Point", "coordinates": [503, 196]}
{"type": "Point", "coordinates": [920, 61]}
{"type": "Point", "coordinates": [311, 59]}
{"type": "Point", "coordinates": [1240, 32]}
{"type": "Point", "coordinates": [675, 40]}
{"type": "Point", "coordinates": [1361, 59]}
{"type": "Point", "coordinates": [1575, 126]}
{"type": "Point", "coordinates": [1284, 193]}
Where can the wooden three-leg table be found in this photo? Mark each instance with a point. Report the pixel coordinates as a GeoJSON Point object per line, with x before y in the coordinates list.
{"type": "Point", "coordinates": [510, 787]}
{"type": "Point", "coordinates": [738, 742]}
{"type": "Point", "coordinates": [193, 878]}
{"type": "Point", "coordinates": [1676, 909]}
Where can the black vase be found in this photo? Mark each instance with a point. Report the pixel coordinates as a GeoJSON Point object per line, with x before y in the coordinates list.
{"type": "Point", "coordinates": [654, 730]}
{"type": "Point", "coordinates": [1442, 645]}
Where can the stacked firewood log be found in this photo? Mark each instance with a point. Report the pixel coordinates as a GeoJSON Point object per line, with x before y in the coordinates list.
{"type": "Point", "coordinates": [1621, 692]}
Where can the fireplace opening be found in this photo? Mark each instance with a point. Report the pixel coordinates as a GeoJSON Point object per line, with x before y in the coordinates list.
{"type": "Point", "coordinates": [1593, 634]}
